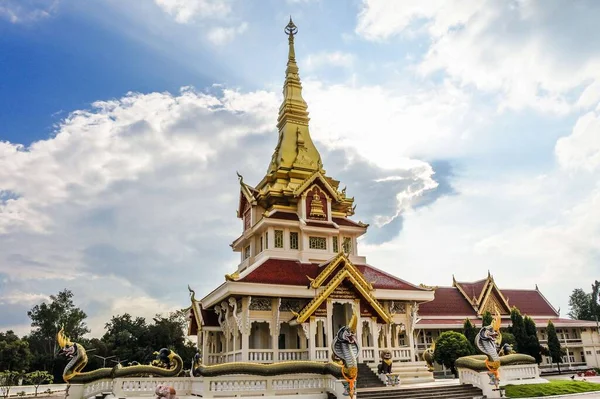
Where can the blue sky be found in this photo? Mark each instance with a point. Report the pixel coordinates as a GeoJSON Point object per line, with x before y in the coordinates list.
{"type": "Point", "coordinates": [468, 131]}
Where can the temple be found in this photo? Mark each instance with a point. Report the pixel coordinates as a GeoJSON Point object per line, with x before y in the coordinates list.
{"type": "Point", "coordinates": [470, 300]}
{"type": "Point", "coordinates": [301, 277]}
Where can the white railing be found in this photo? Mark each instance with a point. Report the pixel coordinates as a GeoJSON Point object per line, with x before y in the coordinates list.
{"type": "Point", "coordinates": [214, 358]}
{"type": "Point", "coordinates": [235, 356]}
{"type": "Point", "coordinates": [368, 354]}
{"type": "Point", "coordinates": [322, 354]}
{"type": "Point", "coordinates": [240, 385]}
{"type": "Point", "coordinates": [508, 375]}
{"type": "Point", "coordinates": [518, 372]}
{"type": "Point", "coordinates": [401, 354]}
{"type": "Point", "coordinates": [125, 387]}
{"type": "Point", "coordinates": [96, 387]}
{"type": "Point", "coordinates": [292, 354]}
{"type": "Point", "coordinates": [260, 355]}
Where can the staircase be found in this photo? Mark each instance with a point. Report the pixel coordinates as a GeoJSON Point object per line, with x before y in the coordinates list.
{"type": "Point", "coordinates": [367, 378]}
{"type": "Point", "coordinates": [426, 392]}
{"type": "Point", "coordinates": [408, 372]}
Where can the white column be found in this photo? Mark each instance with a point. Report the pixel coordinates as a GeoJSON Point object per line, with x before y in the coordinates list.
{"type": "Point", "coordinates": [375, 335]}
{"type": "Point", "coordinates": [312, 331]}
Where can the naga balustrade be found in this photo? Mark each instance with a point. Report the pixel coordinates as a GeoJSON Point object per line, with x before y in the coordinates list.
{"type": "Point", "coordinates": [209, 387]}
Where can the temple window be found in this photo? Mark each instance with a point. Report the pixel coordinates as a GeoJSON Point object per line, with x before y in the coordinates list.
{"type": "Point", "coordinates": [260, 248]}
{"type": "Point", "coordinates": [293, 240]}
{"type": "Point", "coordinates": [278, 238]}
{"type": "Point", "coordinates": [402, 339]}
{"type": "Point", "coordinates": [347, 244]}
{"type": "Point", "coordinates": [247, 252]}
{"type": "Point", "coordinates": [336, 248]}
{"type": "Point", "coordinates": [317, 243]}
{"type": "Point", "coordinates": [267, 240]}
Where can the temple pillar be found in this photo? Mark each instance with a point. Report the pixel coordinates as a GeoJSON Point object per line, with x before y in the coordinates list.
{"type": "Point", "coordinates": [312, 333]}
{"type": "Point", "coordinates": [329, 323]}
{"type": "Point", "coordinates": [203, 337]}
{"type": "Point", "coordinates": [375, 336]}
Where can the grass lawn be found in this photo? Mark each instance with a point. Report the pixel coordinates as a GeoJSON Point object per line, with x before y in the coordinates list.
{"type": "Point", "coordinates": [549, 389]}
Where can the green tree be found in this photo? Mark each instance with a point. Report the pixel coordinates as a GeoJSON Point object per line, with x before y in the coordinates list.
{"type": "Point", "coordinates": [580, 304]}
{"type": "Point", "coordinates": [508, 338]}
{"type": "Point", "coordinates": [470, 332]}
{"type": "Point", "coordinates": [449, 346]}
{"type": "Point", "coordinates": [532, 343]}
{"type": "Point", "coordinates": [8, 379]}
{"type": "Point", "coordinates": [486, 319]}
{"type": "Point", "coordinates": [595, 300]}
{"type": "Point", "coordinates": [46, 320]}
{"type": "Point", "coordinates": [169, 332]}
{"type": "Point", "coordinates": [39, 377]}
{"type": "Point", "coordinates": [518, 330]}
{"type": "Point", "coordinates": [554, 348]}
{"type": "Point", "coordinates": [14, 352]}
{"type": "Point", "coordinates": [128, 338]}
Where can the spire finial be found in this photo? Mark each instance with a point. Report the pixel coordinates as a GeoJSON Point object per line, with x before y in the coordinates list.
{"type": "Point", "coordinates": [291, 29]}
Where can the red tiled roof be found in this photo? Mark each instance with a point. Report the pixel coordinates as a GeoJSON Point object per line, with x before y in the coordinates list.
{"type": "Point", "coordinates": [448, 301]}
{"type": "Point", "coordinates": [292, 272]}
{"type": "Point", "coordinates": [472, 289]}
{"type": "Point", "coordinates": [540, 322]}
{"type": "Point", "coordinates": [284, 215]}
{"type": "Point", "coordinates": [345, 222]}
{"type": "Point", "coordinates": [380, 279]}
{"type": "Point", "coordinates": [529, 302]}
{"type": "Point", "coordinates": [282, 271]}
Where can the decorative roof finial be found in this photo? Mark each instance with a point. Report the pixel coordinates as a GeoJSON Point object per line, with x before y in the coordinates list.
{"type": "Point", "coordinates": [291, 29]}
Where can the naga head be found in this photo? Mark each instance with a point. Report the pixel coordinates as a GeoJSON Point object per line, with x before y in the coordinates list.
{"type": "Point", "coordinates": [348, 333]}
{"type": "Point", "coordinates": [67, 348]}
{"type": "Point", "coordinates": [492, 332]}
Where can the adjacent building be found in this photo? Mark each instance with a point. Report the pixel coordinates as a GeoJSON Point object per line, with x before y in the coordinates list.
{"type": "Point", "coordinates": [469, 300]}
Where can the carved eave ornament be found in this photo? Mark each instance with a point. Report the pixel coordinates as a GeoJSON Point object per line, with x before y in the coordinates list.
{"type": "Point", "coordinates": [339, 269]}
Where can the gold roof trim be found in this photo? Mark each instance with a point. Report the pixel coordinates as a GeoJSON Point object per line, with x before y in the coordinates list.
{"type": "Point", "coordinates": [333, 264]}
{"type": "Point", "coordinates": [331, 286]}
{"type": "Point", "coordinates": [487, 296]}
{"type": "Point", "coordinates": [317, 175]}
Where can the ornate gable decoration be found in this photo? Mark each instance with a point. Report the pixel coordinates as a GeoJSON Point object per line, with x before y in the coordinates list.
{"type": "Point", "coordinates": [493, 301]}
{"type": "Point", "coordinates": [318, 178]}
{"type": "Point", "coordinates": [483, 295]}
{"type": "Point", "coordinates": [247, 199]}
{"type": "Point", "coordinates": [316, 204]}
{"type": "Point", "coordinates": [337, 271]}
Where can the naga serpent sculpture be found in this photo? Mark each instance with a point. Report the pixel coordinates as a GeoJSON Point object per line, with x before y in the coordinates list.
{"type": "Point", "coordinates": [291, 367]}
{"type": "Point", "coordinates": [487, 340]}
{"type": "Point", "coordinates": [170, 364]}
{"type": "Point", "coordinates": [344, 346]}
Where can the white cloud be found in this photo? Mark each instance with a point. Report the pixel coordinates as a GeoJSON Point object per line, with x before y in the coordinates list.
{"type": "Point", "coordinates": [533, 53]}
{"type": "Point", "coordinates": [581, 149]}
{"type": "Point", "coordinates": [222, 35]}
{"type": "Point", "coordinates": [27, 11]}
{"type": "Point", "coordinates": [387, 127]}
{"type": "Point", "coordinates": [335, 58]}
{"type": "Point", "coordinates": [136, 197]}
{"type": "Point", "coordinates": [185, 11]}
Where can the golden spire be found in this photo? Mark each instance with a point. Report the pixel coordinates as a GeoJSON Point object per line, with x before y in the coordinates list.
{"type": "Point", "coordinates": [295, 149]}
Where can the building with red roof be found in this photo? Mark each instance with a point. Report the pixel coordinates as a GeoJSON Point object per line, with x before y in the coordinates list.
{"type": "Point", "coordinates": [470, 300]}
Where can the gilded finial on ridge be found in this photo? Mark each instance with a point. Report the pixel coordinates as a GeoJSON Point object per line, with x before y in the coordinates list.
{"type": "Point", "coordinates": [291, 29]}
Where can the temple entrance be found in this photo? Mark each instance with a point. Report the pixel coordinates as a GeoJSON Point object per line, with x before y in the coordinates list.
{"type": "Point", "coordinates": [341, 315]}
